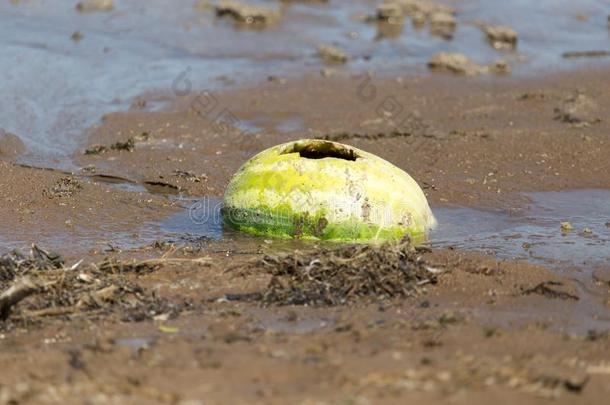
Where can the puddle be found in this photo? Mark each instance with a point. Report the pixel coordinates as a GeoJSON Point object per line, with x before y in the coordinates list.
{"type": "Point", "coordinates": [535, 233]}
{"type": "Point", "coordinates": [532, 232]}
{"type": "Point", "coordinates": [200, 219]}
{"type": "Point", "coordinates": [120, 57]}
{"type": "Point", "coordinates": [119, 183]}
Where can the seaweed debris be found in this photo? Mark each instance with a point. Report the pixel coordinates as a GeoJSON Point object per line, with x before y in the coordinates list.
{"type": "Point", "coordinates": [46, 288]}
{"type": "Point", "coordinates": [128, 146]}
{"type": "Point", "coordinates": [338, 276]}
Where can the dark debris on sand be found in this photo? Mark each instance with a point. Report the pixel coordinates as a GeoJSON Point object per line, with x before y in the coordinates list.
{"type": "Point", "coordinates": [64, 187]}
{"type": "Point", "coordinates": [329, 277]}
{"type": "Point", "coordinates": [38, 285]}
{"type": "Point", "coordinates": [128, 146]}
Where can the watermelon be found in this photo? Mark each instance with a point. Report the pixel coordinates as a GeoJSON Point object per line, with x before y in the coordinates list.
{"type": "Point", "coordinates": [318, 189]}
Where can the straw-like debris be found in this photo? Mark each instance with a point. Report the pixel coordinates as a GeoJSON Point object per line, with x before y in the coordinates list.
{"type": "Point", "coordinates": [389, 12]}
{"type": "Point", "coordinates": [21, 289]}
{"type": "Point", "coordinates": [114, 266]}
{"type": "Point", "coordinates": [331, 55]}
{"type": "Point", "coordinates": [39, 285]}
{"type": "Point", "coordinates": [16, 263]}
{"type": "Point", "coordinates": [329, 277]}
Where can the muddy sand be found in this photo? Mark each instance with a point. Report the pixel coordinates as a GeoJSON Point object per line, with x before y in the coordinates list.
{"type": "Point", "coordinates": [120, 284]}
{"type": "Point", "coordinates": [148, 302]}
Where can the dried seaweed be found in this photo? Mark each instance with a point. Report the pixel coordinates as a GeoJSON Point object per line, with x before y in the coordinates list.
{"type": "Point", "coordinates": [329, 277]}
{"type": "Point", "coordinates": [43, 287]}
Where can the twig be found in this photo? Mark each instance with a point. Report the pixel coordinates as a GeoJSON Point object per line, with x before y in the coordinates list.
{"type": "Point", "coordinates": [21, 289]}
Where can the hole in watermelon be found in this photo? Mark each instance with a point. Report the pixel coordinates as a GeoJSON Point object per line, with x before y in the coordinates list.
{"type": "Point", "coordinates": [322, 150]}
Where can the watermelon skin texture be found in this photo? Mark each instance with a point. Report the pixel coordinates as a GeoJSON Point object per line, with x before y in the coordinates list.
{"type": "Point", "coordinates": [318, 189]}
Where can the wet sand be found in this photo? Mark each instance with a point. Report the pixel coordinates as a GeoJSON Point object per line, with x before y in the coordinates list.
{"type": "Point", "coordinates": [158, 302]}
{"type": "Point", "coordinates": [490, 327]}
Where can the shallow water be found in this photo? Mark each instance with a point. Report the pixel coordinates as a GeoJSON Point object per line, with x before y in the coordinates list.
{"type": "Point", "coordinates": [532, 232]}
{"type": "Point", "coordinates": [535, 232]}
{"type": "Point", "coordinates": [54, 88]}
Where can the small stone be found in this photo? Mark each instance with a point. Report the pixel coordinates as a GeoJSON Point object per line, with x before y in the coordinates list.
{"type": "Point", "coordinates": [442, 24]}
{"type": "Point", "coordinates": [331, 55]}
{"type": "Point", "coordinates": [456, 63]}
{"type": "Point", "coordinates": [426, 8]}
{"type": "Point", "coordinates": [76, 36]}
{"type": "Point", "coordinates": [499, 67]}
{"type": "Point", "coordinates": [276, 79]}
{"type": "Point", "coordinates": [501, 37]}
{"type": "Point", "coordinates": [389, 12]}
{"type": "Point", "coordinates": [245, 13]}
{"type": "Point", "coordinates": [95, 5]}
{"type": "Point", "coordinates": [442, 19]}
